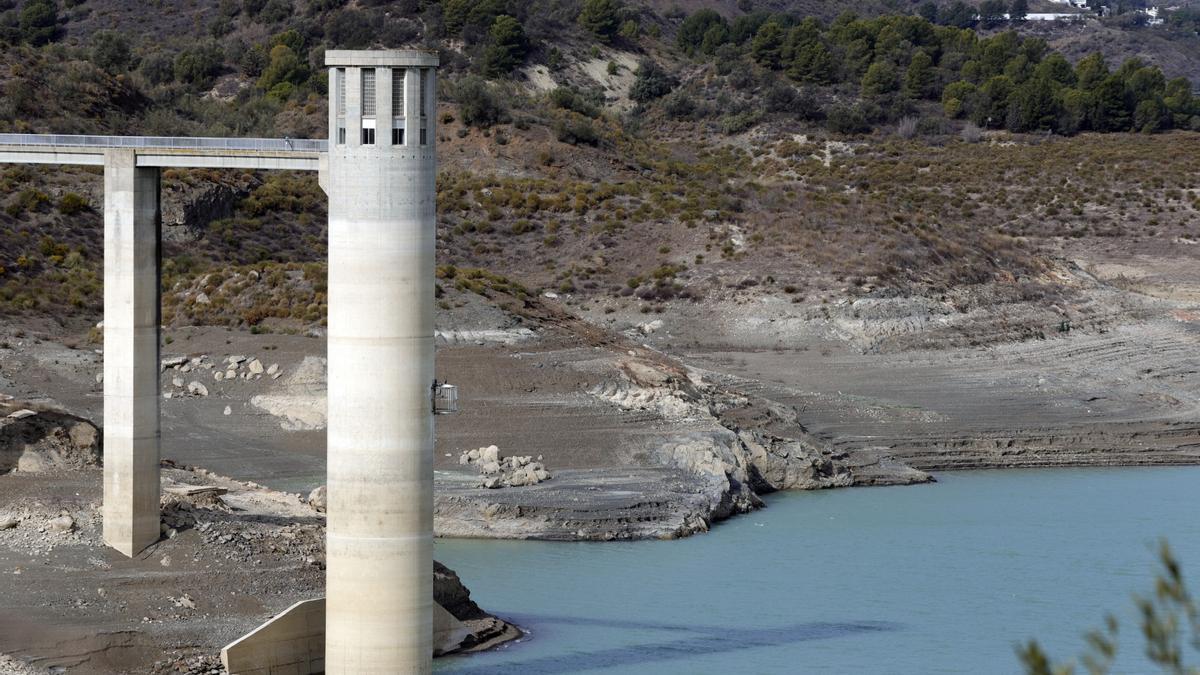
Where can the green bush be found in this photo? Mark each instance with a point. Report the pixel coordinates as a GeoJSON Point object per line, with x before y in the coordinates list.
{"type": "Point", "coordinates": [650, 82]}
{"type": "Point", "coordinates": [577, 131]}
{"type": "Point", "coordinates": [197, 66]}
{"type": "Point", "coordinates": [843, 119]}
{"type": "Point", "coordinates": [39, 21]}
{"type": "Point", "coordinates": [739, 123]}
{"type": "Point", "coordinates": [27, 200]}
{"type": "Point", "coordinates": [285, 68]}
{"type": "Point", "coordinates": [275, 11]}
{"type": "Point", "coordinates": [71, 204]}
{"type": "Point", "coordinates": [478, 106]}
{"type": "Point", "coordinates": [110, 51]}
{"type": "Point", "coordinates": [568, 98]}
{"type": "Point", "coordinates": [157, 68]}
{"type": "Point", "coordinates": [703, 26]}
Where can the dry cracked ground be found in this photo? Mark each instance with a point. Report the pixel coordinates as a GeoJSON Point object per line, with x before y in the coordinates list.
{"type": "Point", "coordinates": [639, 426]}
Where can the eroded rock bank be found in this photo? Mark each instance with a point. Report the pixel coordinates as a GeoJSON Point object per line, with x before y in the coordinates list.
{"type": "Point", "coordinates": [710, 453]}
{"type": "Point", "coordinates": [34, 439]}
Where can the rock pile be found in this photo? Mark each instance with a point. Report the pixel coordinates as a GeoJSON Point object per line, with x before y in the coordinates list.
{"type": "Point", "coordinates": [500, 472]}
{"type": "Point", "coordinates": [246, 368]}
{"type": "Point", "coordinates": [40, 528]}
{"type": "Point", "coordinates": [231, 368]}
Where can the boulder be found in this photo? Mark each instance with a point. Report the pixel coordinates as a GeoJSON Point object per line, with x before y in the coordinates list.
{"type": "Point", "coordinates": [273, 369]}
{"type": "Point", "coordinates": [197, 389]}
{"type": "Point", "coordinates": [8, 522]}
{"type": "Point", "coordinates": [651, 327]}
{"type": "Point", "coordinates": [256, 367]}
{"type": "Point", "coordinates": [318, 499]}
{"type": "Point", "coordinates": [63, 523]}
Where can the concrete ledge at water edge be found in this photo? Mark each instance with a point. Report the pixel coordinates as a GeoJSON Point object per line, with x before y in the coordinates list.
{"type": "Point", "coordinates": [293, 643]}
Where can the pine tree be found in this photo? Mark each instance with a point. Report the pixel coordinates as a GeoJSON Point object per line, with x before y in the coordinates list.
{"type": "Point", "coordinates": [506, 46]}
{"type": "Point", "coordinates": [1018, 10]}
{"type": "Point", "coordinates": [767, 45]}
{"type": "Point", "coordinates": [602, 18]}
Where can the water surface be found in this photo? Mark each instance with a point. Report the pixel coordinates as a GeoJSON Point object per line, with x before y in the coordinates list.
{"type": "Point", "coordinates": [942, 578]}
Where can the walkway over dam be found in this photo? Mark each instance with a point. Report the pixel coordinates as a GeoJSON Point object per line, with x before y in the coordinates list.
{"type": "Point", "coordinates": [299, 154]}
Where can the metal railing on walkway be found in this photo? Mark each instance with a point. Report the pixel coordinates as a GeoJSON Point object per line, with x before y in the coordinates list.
{"type": "Point", "coordinates": [299, 145]}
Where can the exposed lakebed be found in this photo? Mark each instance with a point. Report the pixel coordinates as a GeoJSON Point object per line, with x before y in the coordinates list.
{"type": "Point", "coordinates": [945, 577]}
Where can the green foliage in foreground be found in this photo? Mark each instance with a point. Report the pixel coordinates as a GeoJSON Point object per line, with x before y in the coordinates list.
{"type": "Point", "coordinates": [1170, 624]}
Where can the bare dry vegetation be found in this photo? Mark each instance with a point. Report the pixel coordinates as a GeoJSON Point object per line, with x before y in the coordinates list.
{"type": "Point", "coordinates": [797, 215]}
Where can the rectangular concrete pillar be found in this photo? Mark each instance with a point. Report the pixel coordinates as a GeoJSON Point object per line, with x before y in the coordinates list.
{"type": "Point", "coordinates": [132, 227]}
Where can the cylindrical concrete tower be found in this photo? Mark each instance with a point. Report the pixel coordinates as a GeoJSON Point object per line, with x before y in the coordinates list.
{"type": "Point", "coordinates": [382, 225]}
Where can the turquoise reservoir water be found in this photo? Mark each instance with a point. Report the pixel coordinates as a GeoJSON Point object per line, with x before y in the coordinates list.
{"type": "Point", "coordinates": [942, 578]}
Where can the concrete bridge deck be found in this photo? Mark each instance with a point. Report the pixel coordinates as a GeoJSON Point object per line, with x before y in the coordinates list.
{"type": "Point", "coordinates": [298, 154]}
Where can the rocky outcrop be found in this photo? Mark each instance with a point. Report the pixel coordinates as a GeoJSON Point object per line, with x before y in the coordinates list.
{"type": "Point", "coordinates": [188, 209]}
{"type": "Point", "coordinates": [501, 472]}
{"type": "Point", "coordinates": [608, 504]}
{"type": "Point", "coordinates": [745, 446]}
{"type": "Point", "coordinates": [33, 441]}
